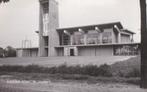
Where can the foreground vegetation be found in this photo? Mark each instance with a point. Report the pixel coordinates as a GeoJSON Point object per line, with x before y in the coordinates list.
{"type": "Point", "coordinates": [76, 77]}
{"type": "Point", "coordinates": [128, 68]}
{"type": "Point", "coordinates": [6, 88]}
{"type": "Point", "coordinates": [120, 72]}
{"type": "Point", "coordinates": [66, 83]}
{"type": "Point", "coordinates": [7, 52]}
{"type": "Point", "coordinates": [92, 70]}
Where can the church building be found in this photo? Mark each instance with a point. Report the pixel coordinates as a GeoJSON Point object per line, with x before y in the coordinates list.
{"type": "Point", "coordinates": [109, 39]}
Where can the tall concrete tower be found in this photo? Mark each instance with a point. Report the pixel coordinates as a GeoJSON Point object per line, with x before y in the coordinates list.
{"type": "Point", "coordinates": [48, 23]}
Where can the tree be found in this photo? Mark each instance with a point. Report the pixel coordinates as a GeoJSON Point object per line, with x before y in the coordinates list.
{"type": "Point", "coordinates": [4, 1]}
{"type": "Point", "coordinates": [10, 52]}
{"type": "Point", "coordinates": [143, 83]}
{"type": "Point", "coordinates": [1, 52]}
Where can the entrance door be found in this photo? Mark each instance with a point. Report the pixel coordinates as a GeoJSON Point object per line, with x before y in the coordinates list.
{"type": "Point", "coordinates": [72, 52]}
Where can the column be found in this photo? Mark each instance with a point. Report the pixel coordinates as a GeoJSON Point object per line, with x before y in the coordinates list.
{"type": "Point", "coordinates": [132, 39]}
{"type": "Point", "coordinates": [119, 38]}
{"type": "Point", "coordinates": [85, 38]}
{"type": "Point", "coordinates": [71, 39]}
{"type": "Point", "coordinates": [101, 37]}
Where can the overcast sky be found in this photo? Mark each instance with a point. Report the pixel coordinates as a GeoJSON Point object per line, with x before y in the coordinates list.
{"type": "Point", "coordinates": [19, 19]}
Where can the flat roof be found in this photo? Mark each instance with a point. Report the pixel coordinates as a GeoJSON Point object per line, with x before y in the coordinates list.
{"type": "Point", "coordinates": [105, 25]}
{"type": "Point", "coordinates": [100, 26]}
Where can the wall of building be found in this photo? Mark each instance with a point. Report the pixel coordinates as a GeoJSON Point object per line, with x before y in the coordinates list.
{"type": "Point", "coordinates": [41, 31]}
{"type": "Point", "coordinates": [53, 25]}
{"type": "Point", "coordinates": [60, 51]}
{"type": "Point", "coordinates": [27, 53]}
{"type": "Point", "coordinates": [95, 51]}
{"type": "Point", "coordinates": [67, 50]}
{"type": "Point", "coordinates": [19, 53]}
{"type": "Point", "coordinates": [50, 31]}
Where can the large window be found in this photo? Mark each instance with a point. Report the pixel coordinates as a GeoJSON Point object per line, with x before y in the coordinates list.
{"type": "Point", "coordinates": [107, 37]}
{"type": "Point", "coordinates": [78, 38]}
{"type": "Point", "coordinates": [46, 40]}
{"type": "Point", "coordinates": [126, 50]}
{"type": "Point", "coordinates": [45, 24]}
{"type": "Point", "coordinates": [93, 37]}
{"type": "Point", "coordinates": [65, 39]}
{"type": "Point", "coordinates": [125, 38]}
{"type": "Point", "coordinates": [45, 7]}
{"type": "Point", "coordinates": [45, 18]}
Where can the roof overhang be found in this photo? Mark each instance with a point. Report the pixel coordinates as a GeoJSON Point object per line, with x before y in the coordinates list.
{"type": "Point", "coordinates": [127, 31]}
{"type": "Point", "coordinates": [92, 27]}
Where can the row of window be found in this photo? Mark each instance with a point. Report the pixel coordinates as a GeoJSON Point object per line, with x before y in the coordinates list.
{"type": "Point", "coordinates": [92, 37]}
{"type": "Point", "coordinates": [126, 50]}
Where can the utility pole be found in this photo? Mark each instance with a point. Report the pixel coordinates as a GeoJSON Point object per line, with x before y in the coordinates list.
{"type": "Point", "coordinates": [143, 83]}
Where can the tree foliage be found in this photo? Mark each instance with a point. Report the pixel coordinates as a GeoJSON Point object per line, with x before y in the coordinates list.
{"type": "Point", "coordinates": [1, 52]}
{"type": "Point", "coordinates": [4, 1]}
{"type": "Point", "coordinates": [7, 52]}
{"type": "Point", "coordinates": [10, 52]}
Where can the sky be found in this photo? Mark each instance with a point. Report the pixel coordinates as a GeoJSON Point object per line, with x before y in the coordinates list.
{"type": "Point", "coordinates": [19, 19]}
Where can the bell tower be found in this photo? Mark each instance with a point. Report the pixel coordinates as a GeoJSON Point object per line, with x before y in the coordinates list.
{"type": "Point", "coordinates": [48, 23]}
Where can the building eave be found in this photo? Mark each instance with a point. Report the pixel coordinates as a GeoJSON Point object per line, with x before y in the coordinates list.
{"type": "Point", "coordinates": [127, 31]}
{"type": "Point", "coordinates": [88, 27]}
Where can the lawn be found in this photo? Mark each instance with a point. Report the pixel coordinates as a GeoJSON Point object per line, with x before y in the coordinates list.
{"type": "Point", "coordinates": [54, 61]}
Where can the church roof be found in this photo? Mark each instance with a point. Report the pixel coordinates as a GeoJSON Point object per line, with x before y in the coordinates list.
{"type": "Point", "coordinates": [100, 26]}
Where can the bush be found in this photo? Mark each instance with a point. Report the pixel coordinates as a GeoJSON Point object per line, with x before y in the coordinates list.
{"type": "Point", "coordinates": [104, 70]}
{"type": "Point", "coordinates": [91, 70]}
{"type": "Point", "coordinates": [10, 52]}
{"type": "Point", "coordinates": [133, 73]}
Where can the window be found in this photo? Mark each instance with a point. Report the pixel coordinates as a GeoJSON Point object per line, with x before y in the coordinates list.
{"type": "Point", "coordinates": [78, 38]}
{"type": "Point", "coordinates": [45, 25]}
{"type": "Point", "coordinates": [125, 38]}
{"type": "Point", "coordinates": [93, 37]}
{"type": "Point", "coordinates": [45, 7]}
{"type": "Point", "coordinates": [65, 39]}
{"type": "Point", "coordinates": [46, 40]}
{"type": "Point", "coordinates": [126, 50]}
{"type": "Point", "coordinates": [45, 18]}
{"type": "Point", "coordinates": [107, 37]}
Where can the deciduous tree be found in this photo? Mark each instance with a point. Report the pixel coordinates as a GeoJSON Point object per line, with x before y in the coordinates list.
{"type": "Point", "coordinates": [4, 1]}
{"type": "Point", "coordinates": [1, 52]}
{"type": "Point", "coordinates": [10, 52]}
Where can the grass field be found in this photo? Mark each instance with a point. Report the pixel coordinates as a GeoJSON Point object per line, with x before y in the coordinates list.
{"type": "Point", "coordinates": [52, 61]}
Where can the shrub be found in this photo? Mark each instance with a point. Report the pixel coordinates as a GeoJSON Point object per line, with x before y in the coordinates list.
{"type": "Point", "coordinates": [91, 70]}
{"type": "Point", "coordinates": [133, 73]}
{"type": "Point", "coordinates": [104, 70]}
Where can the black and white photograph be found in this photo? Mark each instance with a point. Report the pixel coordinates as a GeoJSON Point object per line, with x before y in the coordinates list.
{"type": "Point", "coordinates": [73, 46]}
